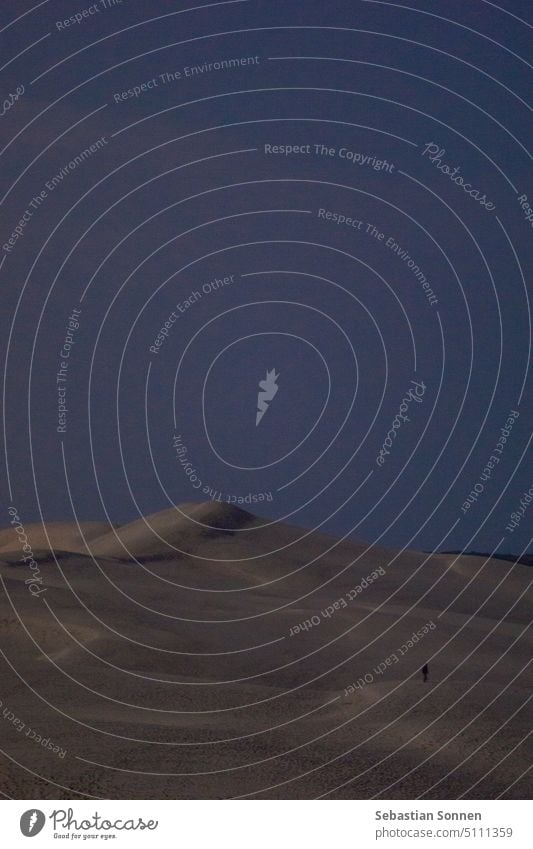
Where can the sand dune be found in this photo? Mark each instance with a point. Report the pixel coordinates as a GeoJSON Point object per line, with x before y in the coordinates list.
{"type": "Point", "coordinates": [148, 536]}
{"type": "Point", "coordinates": [262, 659]}
{"type": "Point", "coordinates": [176, 527]}
{"type": "Point", "coordinates": [63, 536]}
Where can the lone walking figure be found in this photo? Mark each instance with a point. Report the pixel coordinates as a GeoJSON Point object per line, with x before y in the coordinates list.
{"type": "Point", "coordinates": [425, 672]}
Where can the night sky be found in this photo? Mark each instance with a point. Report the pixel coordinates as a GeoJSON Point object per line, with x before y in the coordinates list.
{"type": "Point", "coordinates": [334, 191]}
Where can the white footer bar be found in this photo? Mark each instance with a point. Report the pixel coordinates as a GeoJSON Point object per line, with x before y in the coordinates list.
{"type": "Point", "coordinates": [255, 824]}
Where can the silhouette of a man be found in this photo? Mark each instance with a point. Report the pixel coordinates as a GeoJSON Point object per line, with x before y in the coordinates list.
{"type": "Point", "coordinates": [425, 672]}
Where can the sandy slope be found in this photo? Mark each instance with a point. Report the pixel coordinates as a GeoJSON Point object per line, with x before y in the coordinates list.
{"type": "Point", "coordinates": [163, 532]}
{"type": "Point", "coordinates": [178, 675]}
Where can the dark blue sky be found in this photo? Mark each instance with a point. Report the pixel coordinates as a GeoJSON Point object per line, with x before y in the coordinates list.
{"type": "Point", "coordinates": [181, 192]}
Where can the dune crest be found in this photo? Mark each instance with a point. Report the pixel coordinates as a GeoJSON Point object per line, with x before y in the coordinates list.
{"type": "Point", "coordinates": [61, 536]}
{"type": "Point", "coordinates": [178, 527]}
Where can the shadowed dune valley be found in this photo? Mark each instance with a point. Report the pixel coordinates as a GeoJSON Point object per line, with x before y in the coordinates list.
{"type": "Point", "coordinates": [203, 652]}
